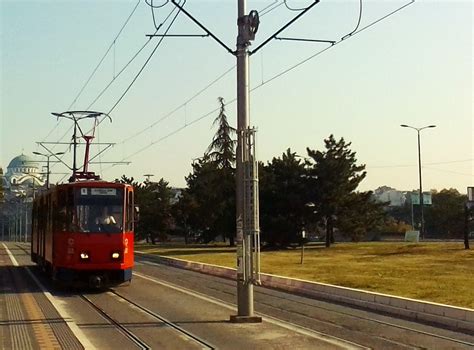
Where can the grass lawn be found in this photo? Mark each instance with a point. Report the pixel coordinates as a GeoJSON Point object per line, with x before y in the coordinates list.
{"type": "Point", "coordinates": [438, 272]}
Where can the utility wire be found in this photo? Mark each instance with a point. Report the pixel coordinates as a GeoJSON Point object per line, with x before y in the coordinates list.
{"type": "Point", "coordinates": [274, 77]}
{"type": "Point", "coordinates": [145, 64]}
{"type": "Point", "coordinates": [171, 133]}
{"type": "Point", "coordinates": [412, 165]}
{"type": "Point", "coordinates": [449, 171]}
{"type": "Point", "coordinates": [180, 106]}
{"type": "Point", "coordinates": [267, 7]}
{"type": "Point", "coordinates": [293, 8]}
{"type": "Point", "coordinates": [122, 70]}
{"type": "Point", "coordinates": [266, 10]}
{"type": "Point", "coordinates": [97, 66]}
{"type": "Point", "coordinates": [130, 61]}
{"type": "Point", "coordinates": [196, 94]}
{"type": "Point", "coordinates": [336, 43]}
{"type": "Point", "coordinates": [152, 8]}
{"type": "Point", "coordinates": [156, 6]}
{"type": "Point", "coordinates": [358, 22]}
{"type": "Point", "coordinates": [105, 55]}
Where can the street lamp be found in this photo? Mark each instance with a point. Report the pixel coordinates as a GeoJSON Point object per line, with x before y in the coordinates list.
{"type": "Point", "coordinates": [422, 224]}
{"type": "Point", "coordinates": [47, 163]}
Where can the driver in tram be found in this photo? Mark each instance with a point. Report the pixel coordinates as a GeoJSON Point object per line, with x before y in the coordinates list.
{"type": "Point", "coordinates": [105, 218]}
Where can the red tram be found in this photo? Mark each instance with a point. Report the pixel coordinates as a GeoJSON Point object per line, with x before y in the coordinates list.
{"type": "Point", "coordinates": [84, 231]}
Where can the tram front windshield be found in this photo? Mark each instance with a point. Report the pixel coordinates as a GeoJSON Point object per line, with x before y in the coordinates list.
{"type": "Point", "coordinates": [98, 210]}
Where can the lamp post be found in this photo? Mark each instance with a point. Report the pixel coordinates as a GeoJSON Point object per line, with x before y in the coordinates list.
{"type": "Point", "coordinates": [47, 163]}
{"type": "Point", "coordinates": [422, 221]}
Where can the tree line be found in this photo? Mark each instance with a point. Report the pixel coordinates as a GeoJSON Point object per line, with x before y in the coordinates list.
{"type": "Point", "coordinates": [317, 193]}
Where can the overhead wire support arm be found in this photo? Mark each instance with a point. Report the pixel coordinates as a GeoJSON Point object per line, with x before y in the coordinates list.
{"type": "Point", "coordinates": [112, 162]}
{"type": "Point", "coordinates": [332, 42]}
{"type": "Point", "coordinates": [79, 143]}
{"type": "Point", "coordinates": [54, 155]}
{"type": "Point", "coordinates": [220, 42]}
{"type": "Point", "coordinates": [284, 27]}
{"type": "Point", "coordinates": [178, 35]}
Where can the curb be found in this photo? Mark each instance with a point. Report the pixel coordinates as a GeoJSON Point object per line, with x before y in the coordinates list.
{"type": "Point", "coordinates": [446, 315]}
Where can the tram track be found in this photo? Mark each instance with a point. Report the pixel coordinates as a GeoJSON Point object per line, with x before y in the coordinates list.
{"type": "Point", "coordinates": [278, 312]}
{"type": "Point", "coordinates": [120, 327]}
{"type": "Point", "coordinates": [124, 330]}
{"type": "Point", "coordinates": [278, 300]}
{"type": "Point", "coordinates": [368, 319]}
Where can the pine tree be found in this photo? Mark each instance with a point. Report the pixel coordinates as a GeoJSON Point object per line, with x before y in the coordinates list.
{"type": "Point", "coordinates": [222, 148]}
{"type": "Point", "coordinates": [332, 177]}
{"type": "Point", "coordinates": [282, 199]}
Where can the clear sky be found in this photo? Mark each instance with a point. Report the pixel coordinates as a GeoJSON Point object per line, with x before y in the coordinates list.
{"type": "Point", "coordinates": [413, 68]}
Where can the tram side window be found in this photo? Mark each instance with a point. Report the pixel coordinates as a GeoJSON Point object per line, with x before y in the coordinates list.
{"type": "Point", "coordinates": [35, 217]}
{"type": "Point", "coordinates": [70, 216]}
{"type": "Point", "coordinates": [42, 215]}
{"type": "Point", "coordinates": [129, 224]}
{"type": "Point", "coordinates": [60, 212]}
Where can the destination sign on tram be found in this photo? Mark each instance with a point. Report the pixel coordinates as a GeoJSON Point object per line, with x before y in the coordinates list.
{"type": "Point", "coordinates": [99, 191]}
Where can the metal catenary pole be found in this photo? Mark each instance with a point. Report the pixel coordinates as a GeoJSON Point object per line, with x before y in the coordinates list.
{"type": "Point", "coordinates": [246, 179]}
{"type": "Point", "coordinates": [244, 290]}
{"type": "Point", "coordinates": [247, 212]}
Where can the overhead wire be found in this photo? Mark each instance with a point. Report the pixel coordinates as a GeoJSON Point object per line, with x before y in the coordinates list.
{"type": "Point", "coordinates": [97, 66]}
{"type": "Point", "coordinates": [266, 10]}
{"type": "Point", "coordinates": [293, 8]}
{"type": "Point", "coordinates": [309, 58]}
{"type": "Point", "coordinates": [267, 7]}
{"type": "Point", "coordinates": [184, 104]}
{"type": "Point", "coordinates": [269, 80]}
{"type": "Point", "coordinates": [195, 95]}
{"type": "Point", "coordinates": [156, 6]}
{"type": "Point", "coordinates": [152, 8]}
{"type": "Point", "coordinates": [93, 73]}
{"type": "Point", "coordinates": [105, 55]}
{"type": "Point", "coordinates": [285, 71]}
{"type": "Point", "coordinates": [131, 60]}
{"type": "Point", "coordinates": [358, 22]}
{"type": "Point", "coordinates": [449, 171]}
{"type": "Point", "coordinates": [412, 165]}
{"type": "Point", "coordinates": [180, 106]}
{"type": "Point", "coordinates": [146, 62]}
{"type": "Point", "coordinates": [122, 70]}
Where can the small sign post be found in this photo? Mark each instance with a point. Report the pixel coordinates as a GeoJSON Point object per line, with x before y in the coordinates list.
{"type": "Point", "coordinates": [468, 210]}
{"type": "Point", "coordinates": [303, 235]}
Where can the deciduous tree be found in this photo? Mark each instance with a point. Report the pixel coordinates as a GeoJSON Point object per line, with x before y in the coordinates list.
{"type": "Point", "coordinates": [445, 217]}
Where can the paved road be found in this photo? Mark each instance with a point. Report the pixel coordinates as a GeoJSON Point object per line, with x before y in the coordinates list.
{"type": "Point", "coordinates": [169, 308]}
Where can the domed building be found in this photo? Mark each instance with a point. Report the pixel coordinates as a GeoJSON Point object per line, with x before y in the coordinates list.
{"type": "Point", "coordinates": [22, 175]}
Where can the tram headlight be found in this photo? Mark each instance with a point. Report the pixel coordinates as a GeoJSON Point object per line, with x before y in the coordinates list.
{"type": "Point", "coordinates": [84, 256]}
{"type": "Point", "coordinates": [115, 255]}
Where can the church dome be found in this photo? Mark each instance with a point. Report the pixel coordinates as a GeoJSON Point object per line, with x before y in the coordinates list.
{"type": "Point", "coordinates": [23, 164]}
{"type": "Point", "coordinates": [23, 161]}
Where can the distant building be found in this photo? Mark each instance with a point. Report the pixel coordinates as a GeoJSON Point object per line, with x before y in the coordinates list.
{"type": "Point", "coordinates": [19, 183]}
{"type": "Point", "coordinates": [22, 176]}
{"type": "Point", "coordinates": [394, 197]}
{"type": "Point", "coordinates": [176, 194]}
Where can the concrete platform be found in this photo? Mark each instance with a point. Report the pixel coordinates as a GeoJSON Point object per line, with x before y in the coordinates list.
{"type": "Point", "coordinates": [27, 319]}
